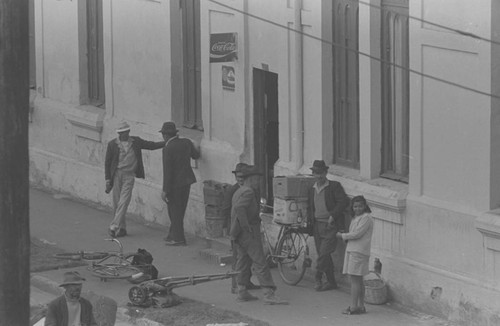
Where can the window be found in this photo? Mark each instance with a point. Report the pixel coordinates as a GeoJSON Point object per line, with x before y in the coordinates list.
{"type": "Point", "coordinates": [95, 55]}
{"type": "Point", "coordinates": [346, 87]}
{"type": "Point", "coordinates": [395, 90]}
{"type": "Point", "coordinates": [191, 63]}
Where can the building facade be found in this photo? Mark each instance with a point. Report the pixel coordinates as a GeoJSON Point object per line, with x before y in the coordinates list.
{"type": "Point", "coordinates": [400, 98]}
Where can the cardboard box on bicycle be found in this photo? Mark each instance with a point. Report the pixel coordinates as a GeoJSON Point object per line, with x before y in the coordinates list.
{"type": "Point", "coordinates": [293, 186]}
{"type": "Point", "coordinates": [290, 211]}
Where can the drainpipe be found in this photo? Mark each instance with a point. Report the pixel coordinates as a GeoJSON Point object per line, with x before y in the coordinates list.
{"type": "Point", "coordinates": [299, 82]}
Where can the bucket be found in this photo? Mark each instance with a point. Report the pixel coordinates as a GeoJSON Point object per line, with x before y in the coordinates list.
{"type": "Point", "coordinates": [375, 289]}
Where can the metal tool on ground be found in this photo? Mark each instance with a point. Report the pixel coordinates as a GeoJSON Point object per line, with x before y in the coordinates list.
{"type": "Point", "coordinates": [159, 292]}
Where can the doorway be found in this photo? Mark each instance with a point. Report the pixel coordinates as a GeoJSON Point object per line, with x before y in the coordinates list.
{"type": "Point", "coordinates": [266, 128]}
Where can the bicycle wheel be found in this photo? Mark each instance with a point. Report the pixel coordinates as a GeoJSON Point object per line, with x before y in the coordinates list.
{"type": "Point", "coordinates": [81, 255]}
{"type": "Point", "coordinates": [292, 256]}
{"type": "Point", "coordinates": [114, 271]}
{"type": "Point", "coordinates": [117, 259]}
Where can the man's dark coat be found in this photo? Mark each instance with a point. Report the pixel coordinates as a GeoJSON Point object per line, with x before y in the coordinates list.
{"type": "Point", "coordinates": [113, 154]}
{"type": "Point", "coordinates": [57, 313]}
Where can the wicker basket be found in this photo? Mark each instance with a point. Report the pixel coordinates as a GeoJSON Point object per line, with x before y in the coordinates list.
{"type": "Point", "coordinates": [375, 290]}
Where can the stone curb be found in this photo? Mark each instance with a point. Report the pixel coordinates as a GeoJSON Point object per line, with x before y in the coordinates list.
{"type": "Point", "coordinates": [121, 314]}
{"type": "Point", "coordinates": [46, 285]}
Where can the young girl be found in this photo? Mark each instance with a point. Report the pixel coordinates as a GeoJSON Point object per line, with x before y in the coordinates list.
{"type": "Point", "coordinates": [357, 253]}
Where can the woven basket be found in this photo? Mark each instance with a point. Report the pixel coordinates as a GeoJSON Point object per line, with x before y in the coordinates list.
{"type": "Point", "coordinates": [375, 290]}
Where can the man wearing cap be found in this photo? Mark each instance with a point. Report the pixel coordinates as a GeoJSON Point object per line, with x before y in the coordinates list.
{"type": "Point", "coordinates": [226, 213]}
{"type": "Point", "coordinates": [245, 234]}
{"type": "Point", "coordinates": [178, 176]}
{"type": "Point", "coordinates": [327, 202]}
{"type": "Point", "coordinates": [123, 164]}
{"type": "Point", "coordinates": [70, 308]}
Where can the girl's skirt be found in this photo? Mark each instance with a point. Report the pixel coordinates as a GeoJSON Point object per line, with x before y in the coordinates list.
{"type": "Point", "coordinates": [355, 263]}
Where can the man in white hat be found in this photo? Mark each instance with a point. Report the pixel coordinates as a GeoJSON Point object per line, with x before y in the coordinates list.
{"type": "Point", "coordinates": [70, 308]}
{"type": "Point", "coordinates": [123, 164]}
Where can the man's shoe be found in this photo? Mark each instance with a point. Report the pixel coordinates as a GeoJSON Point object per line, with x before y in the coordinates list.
{"type": "Point", "coordinates": [121, 233]}
{"type": "Point", "coordinates": [175, 243]}
{"type": "Point", "coordinates": [271, 298]}
{"type": "Point", "coordinates": [328, 286]}
{"type": "Point", "coordinates": [234, 290]}
{"type": "Point", "coordinates": [252, 286]}
{"type": "Point", "coordinates": [244, 295]}
{"type": "Point", "coordinates": [351, 311]}
{"type": "Point", "coordinates": [318, 285]}
{"type": "Point", "coordinates": [111, 233]}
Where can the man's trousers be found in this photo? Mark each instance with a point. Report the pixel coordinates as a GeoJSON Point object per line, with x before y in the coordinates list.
{"type": "Point", "coordinates": [177, 203]}
{"type": "Point", "coordinates": [249, 250]}
{"type": "Point", "coordinates": [122, 193]}
{"type": "Point", "coordinates": [326, 243]}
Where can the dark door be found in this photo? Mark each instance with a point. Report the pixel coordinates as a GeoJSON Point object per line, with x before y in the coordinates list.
{"type": "Point", "coordinates": [266, 127]}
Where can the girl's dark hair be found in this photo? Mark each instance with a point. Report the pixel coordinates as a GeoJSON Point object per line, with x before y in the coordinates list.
{"type": "Point", "coordinates": [359, 199]}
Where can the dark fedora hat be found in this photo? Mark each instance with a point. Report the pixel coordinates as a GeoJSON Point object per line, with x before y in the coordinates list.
{"type": "Point", "coordinates": [319, 166]}
{"type": "Point", "coordinates": [249, 170]}
{"type": "Point", "coordinates": [169, 128]}
{"type": "Point", "coordinates": [72, 277]}
{"type": "Point", "coordinates": [238, 167]}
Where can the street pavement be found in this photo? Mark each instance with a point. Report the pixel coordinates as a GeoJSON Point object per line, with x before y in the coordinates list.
{"type": "Point", "coordinates": [73, 226]}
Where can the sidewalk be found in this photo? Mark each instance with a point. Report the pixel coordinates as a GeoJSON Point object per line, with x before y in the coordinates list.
{"type": "Point", "coordinates": [74, 226]}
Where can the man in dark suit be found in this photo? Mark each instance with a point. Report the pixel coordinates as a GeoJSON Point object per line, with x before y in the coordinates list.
{"type": "Point", "coordinates": [327, 202]}
{"type": "Point", "coordinates": [122, 165]}
{"type": "Point", "coordinates": [178, 176]}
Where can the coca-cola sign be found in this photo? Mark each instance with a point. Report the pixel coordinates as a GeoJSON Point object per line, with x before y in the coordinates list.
{"type": "Point", "coordinates": [223, 47]}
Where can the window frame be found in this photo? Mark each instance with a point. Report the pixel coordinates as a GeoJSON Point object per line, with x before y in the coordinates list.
{"type": "Point", "coordinates": [346, 83]}
{"type": "Point", "coordinates": [394, 52]}
{"type": "Point", "coordinates": [95, 54]}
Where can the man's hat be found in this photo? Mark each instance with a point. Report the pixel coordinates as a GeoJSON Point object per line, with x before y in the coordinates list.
{"type": "Point", "coordinates": [169, 128]}
{"type": "Point", "coordinates": [238, 167]}
{"type": "Point", "coordinates": [72, 277]}
{"type": "Point", "coordinates": [249, 170]}
{"type": "Point", "coordinates": [122, 127]}
{"type": "Point", "coordinates": [319, 166]}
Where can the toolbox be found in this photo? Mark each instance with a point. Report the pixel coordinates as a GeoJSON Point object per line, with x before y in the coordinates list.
{"type": "Point", "coordinates": [294, 186]}
{"type": "Point", "coordinates": [290, 211]}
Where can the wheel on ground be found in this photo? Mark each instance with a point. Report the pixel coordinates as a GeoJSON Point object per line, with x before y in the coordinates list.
{"type": "Point", "coordinates": [292, 257]}
{"type": "Point", "coordinates": [117, 259]}
{"type": "Point", "coordinates": [81, 255]}
{"type": "Point", "coordinates": [113, 271]}
{"type": "Point", "coordinates": [138, 295]}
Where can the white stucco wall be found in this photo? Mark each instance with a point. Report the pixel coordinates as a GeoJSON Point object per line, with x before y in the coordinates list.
{"type": "Point", "coordinates": [61, 80]}
{"type": "Point", "coordinates": [450, 132]}
{"type": "Point", "coordinates": [141, 61]}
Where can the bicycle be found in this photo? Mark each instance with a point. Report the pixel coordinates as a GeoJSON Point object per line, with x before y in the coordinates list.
{"type": "Point", "coordinates": [291, 252]}
{"type": "Point", "coordinates": [106, 265]}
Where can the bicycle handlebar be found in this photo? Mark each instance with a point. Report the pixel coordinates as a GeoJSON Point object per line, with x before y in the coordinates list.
{"type": "Point", "coordinates": [117, 241]}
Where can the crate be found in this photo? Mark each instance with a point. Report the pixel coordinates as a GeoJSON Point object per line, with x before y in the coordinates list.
{"type": "Point", "coordinates": [215, 228]}
{"type": "Point", "coordinates": [213, 212]}
{"type": "Point", "coordinates": [290, 211]}
{"type": "Point", "coordinates": [213, 192]}
{"type": "Point", "coordinates": [295, 186]}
